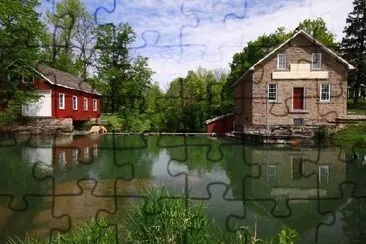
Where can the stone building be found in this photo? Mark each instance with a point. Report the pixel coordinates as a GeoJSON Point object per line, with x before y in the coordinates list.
{"type": "Point", "coordinates": [301, 82]}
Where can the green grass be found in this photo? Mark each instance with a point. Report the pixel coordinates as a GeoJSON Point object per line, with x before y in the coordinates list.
{"type": "Point", "coordinates": [353, 135]}
{"type": "Point", "coordinates": [161, 220]}
{"type": "Point", "coordinates": [84, 232]}
{"type": "Point", "coordinates": [359, 108]}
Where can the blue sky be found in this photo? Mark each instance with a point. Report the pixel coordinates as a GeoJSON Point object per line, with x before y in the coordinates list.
{"type": "Point", "coordinates": [178, 36]}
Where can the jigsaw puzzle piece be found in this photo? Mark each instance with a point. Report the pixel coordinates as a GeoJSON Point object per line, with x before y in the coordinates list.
{"type": "Point", "coordinates": [38, 220]}
{"type": "Point", "coordinates": [89, 196]}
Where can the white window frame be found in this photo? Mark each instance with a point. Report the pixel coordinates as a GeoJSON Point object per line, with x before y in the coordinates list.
{"type": "Point", "coordinates": [314, 57]}
{"type": "Point", "coordinates": [76, 103]}
{"type": "Point", "coordinates": [86, 101]}
{"type": "Point", "coordinates": [321, 90]}
{"type": "Point", "coordinates": [95, 106]}
{"type": "Point", "coordinates": [278, 60]}
{"type": "Point", "coordinates": [268, 92]}
{"type": "Point", "coordinates": [61, 100]}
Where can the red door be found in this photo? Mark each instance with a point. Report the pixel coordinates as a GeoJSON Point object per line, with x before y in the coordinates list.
{"type": "Point", "coordinates": [298, 98]}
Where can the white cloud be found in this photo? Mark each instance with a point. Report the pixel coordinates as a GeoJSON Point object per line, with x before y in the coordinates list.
{"type": "Point", "coordinates": [210, 42]}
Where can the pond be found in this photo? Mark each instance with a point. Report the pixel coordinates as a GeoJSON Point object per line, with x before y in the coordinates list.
{"type": "Point", "coordinates": [49, 183]}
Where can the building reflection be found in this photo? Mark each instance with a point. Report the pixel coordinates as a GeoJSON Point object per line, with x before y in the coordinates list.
{"type": "Point", "coordinates": [289, 185]}
{"type": "Point", "coordinates": [63, 152]}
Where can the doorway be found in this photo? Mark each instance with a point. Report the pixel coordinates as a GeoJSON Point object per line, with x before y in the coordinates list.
{"type": "Point", "coordinates": [298, 98]}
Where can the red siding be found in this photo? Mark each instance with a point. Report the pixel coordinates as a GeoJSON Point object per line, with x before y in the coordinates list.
{"type": "Point", "coordinates": [87, 149]}
{"type": "Point", "coordinates": [221, 126]}
{"type": "Point", "coordinates": [78, 115]}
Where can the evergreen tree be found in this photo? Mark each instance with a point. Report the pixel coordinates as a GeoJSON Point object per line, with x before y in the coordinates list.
{"type": "Point", "coordinates": [354, 45]}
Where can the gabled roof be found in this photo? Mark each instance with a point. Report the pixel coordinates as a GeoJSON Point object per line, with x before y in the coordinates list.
{"type": "Point", "coordinates": [63, 79]}
{"type": "Point", "coordinates": [309, 37]}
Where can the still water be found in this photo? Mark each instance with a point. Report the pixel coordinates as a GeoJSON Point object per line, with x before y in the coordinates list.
{"type": "Point", "coordinates": [50, 183]}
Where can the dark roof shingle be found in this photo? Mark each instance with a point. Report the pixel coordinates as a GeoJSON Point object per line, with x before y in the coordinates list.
{"type": "Point", "coordinates": [60, 78]}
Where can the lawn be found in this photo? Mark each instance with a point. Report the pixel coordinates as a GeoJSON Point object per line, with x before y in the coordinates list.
{"type": "Point", "coordinates": [352, 136]}
{"type": "Point", "coordinates": [359, 108]}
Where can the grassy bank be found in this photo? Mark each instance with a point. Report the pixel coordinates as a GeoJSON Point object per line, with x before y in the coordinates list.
{"type": "Point", "coordinates": [359, 108]}
{"type": "Point", "coordinates": [351, 136]}
{"type": "Point", "coordinates": [161, 220]}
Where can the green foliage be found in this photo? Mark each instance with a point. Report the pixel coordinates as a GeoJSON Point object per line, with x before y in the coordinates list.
{"type": "Point", "coordinates": [287, 236]}
{"type": "Point", "coordinates": [83, 233]}
{"type": "Point", "coordinates": [354, 45]}
{"type": "Point", "coordinates": [113, 122]}
{"type": "Point", "coordinates": [21, 33]}
{"type": "Point", "coordinates": [351, 136]}
{"type": "Point", "coordinates": [166, 221]}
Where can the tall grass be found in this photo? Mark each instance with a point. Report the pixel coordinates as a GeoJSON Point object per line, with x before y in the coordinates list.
{"type": "Point", "coordinates": [87, 232]}
{"type": "Point", "coordinates": [163, 220]}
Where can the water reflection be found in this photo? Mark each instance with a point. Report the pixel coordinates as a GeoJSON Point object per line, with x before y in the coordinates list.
{"type": "Point", "coordinates": [275, 186]}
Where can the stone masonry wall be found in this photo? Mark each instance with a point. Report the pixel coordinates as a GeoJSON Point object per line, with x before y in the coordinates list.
{"type": "Point", "coordinates": [280, 112]}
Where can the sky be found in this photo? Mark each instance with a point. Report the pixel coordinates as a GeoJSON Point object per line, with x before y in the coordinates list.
{"type": "Point", "coordinates": [179, 36]}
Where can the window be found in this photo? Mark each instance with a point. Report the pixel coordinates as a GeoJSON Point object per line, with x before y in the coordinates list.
{"type": "Point", "coordinates": [95, 107]}
{"type": "Point", "coordinates": [271, 173]}
{"type": "Point", "coordinates": [324, 174]}
{"type": "Point", "coordinates": [95, 150]}
{"type": "Point", "coordinates": [325, 92]}
{"type": "Point", "coordinates": [61, 101]}
{"type": "Point", "coordinates": [62, 159]}
{"type": "Point", "coordinates": [316, 60]}
{"type": "Point", "coordinates": [298, 121]}
{"type": "Point", "coordinates": [74, 102]}
{"type": "Point", "coordinates": [75, 155]}
{"type": "Point", "coordinates": [85, 104]}
{"type": "Point", "coordinates": [281, 61]}
{"type": "Point", "coordinates": [86, 153]}
{"type": "Point", "coordinates": [272, 92]}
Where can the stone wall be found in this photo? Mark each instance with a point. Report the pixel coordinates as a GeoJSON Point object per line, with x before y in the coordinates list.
{"type": "Point", "coordinates": [316, 112]}
{"type": "Point", "coordinates": [45, 126]}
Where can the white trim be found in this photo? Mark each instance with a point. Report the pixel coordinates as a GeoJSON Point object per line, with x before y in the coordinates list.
{"type": "Point", "coordinates": [278, 61]}
{"type": "Point", "coordinates": [272, 101]}
{"type": "Point", "coordinates": [95, 105]}
{"type": "Point", "coordinates": [86, 104]}
{"type": "Point", "coordinates": [217, 118]}
{"type": "Point", "coordinates": [63, 100]}
{"type": "Point", "coordinates": [280, 46]}
{"type": "Point", "coordinates": [72, 103]}
{"type": "Point", "coordinates": [320, 92]}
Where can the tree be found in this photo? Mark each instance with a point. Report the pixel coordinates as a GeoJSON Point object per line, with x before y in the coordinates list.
{"type": "Point", "coordinates": [21, 35]}
{"type": "Point", "coordinates": [354, 45]}
{"type": "Point", "coordinates": [72, 34]}
{"type": "Point", "coordinates": [318, 29]}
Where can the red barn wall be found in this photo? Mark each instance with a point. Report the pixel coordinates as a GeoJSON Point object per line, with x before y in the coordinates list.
{"type": "Point", "coordinates": [78, 115]}
{"type": "Point", "coordinates": [221, 126]}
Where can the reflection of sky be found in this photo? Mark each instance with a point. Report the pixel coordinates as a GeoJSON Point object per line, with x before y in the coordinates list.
{"type": "Point", "coordinates": [181, 35]}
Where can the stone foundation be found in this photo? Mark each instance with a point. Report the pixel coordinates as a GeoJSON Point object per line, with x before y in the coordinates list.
{"type": "Point", "coordinates": [45, 126]}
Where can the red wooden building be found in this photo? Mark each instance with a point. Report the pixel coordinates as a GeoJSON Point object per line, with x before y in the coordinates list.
{"type": "Point", "coordinates": [220, 125]}
{"type": "Point", "coordinates": [63, 96]}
